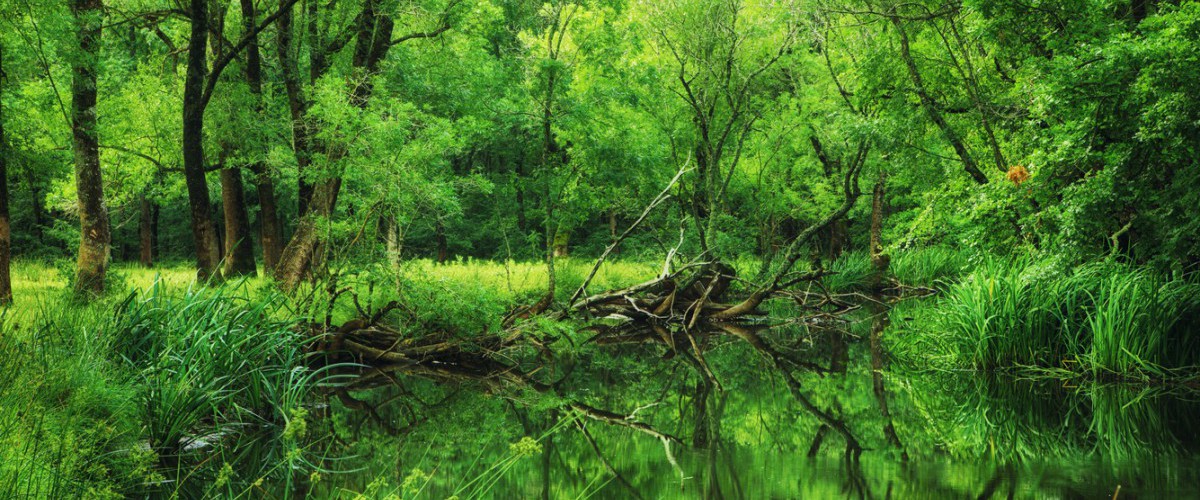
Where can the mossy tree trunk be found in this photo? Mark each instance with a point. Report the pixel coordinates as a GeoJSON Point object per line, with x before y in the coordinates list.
{"type": "Point", "coordinates": [145, 231]}
{"type": "Point", "coordinates": [879, 259]}
{"type": "Point", "coordinates": [95, 236]}
{"type": "Point", "coordinates": [5, 228]}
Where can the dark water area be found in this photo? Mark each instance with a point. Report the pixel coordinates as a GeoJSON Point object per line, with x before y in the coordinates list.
{"type": "Point", "coordinates": [785, 412]}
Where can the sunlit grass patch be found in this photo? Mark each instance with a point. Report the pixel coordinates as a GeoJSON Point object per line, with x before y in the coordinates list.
{"type": "Point", "coordinates": [518, 279]}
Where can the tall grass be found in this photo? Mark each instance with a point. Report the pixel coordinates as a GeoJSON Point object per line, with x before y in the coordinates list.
{"type": "Point", "coordinates": [219, 374]}
{"type": "Point", "coordinates": [850, 272]}
{"type": "Point", "coordinates": [1141, 322]}
{"type": "Point", "coordinates": [67, 428]}
{"type": "Point", "coordinates": [1101, 317]}
{"type": "Point", "coordinates": [930, 267]}
{"type": "Point", "coordinates": [168, 395]}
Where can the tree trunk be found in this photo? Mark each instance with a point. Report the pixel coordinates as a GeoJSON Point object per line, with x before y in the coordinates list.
{"type": "Point", "coordinates": [931, 107]}
{"type": "Point", "coordinates": [239, 248]}
{"type": "Point", "coordinates": [394, 240]}
{"type": "Point", "coordinates": [879, 260]}
{"type": "Point", "coordinates": [373, 32]}
{"type": "Point", "coordinates": [271, 235]}
{"type": "Point", "coordinates": [549, 157]}
{"type": "Point", "coordinates": [39, 210]}
{"type": "Point", "coordinates": [299, 251]}
{"type": "Point", "coordinates": [208, 251]}
{"type": "Point", "coordinates": [156, 249]}
{"type": "Point", "coordinates": [297, 107]}
{"type": "Point", "coordinates": [145, 231]}
{"type": "Point", "coordinates": [271, 229]}
{"type": "Point", "coordinates": [562, 242]}
{"type": "Point", "coordinates": [612, 229]}
{"type": "Point", "coordinates": [95, 237]}
{"type": "Point", "coordinates": [443, 253]}
{"type": "Point", "coordinates": [521, 223]}
{"type": "Point", "coordinates": [5, 228]}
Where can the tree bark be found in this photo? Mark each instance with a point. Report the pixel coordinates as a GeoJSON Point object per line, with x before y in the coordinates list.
{"type": "Point", "coordinates": [297, 107]}
{"type": "Point", "coordinates": [5, 228]}
{"type": "Point", "coordinates": [145, 231]}
{"type": "Point", "coordinates": [879, 260]}
{"type": "Point", "coordinates": [156, 249]}
{"type": "Point", "coordinates": [394, 240]}
{"type": "Point", "coordinates": [95, 236]}
{"type": "Point", "coordinates": [443, 253]}
{"type": "Point", "coordinates": [932, 108]}
{"type": "Point", "coordinates": [271, 233]}
{"type": "Point", "coordinates": [204, 234]}
{"type": "Point", "coordinates": [299, 251]}
{"type": "Point", "coordinates": [239, 248]}
{"type": "Point", "coordinates": [39, 210]}
{"type": "Point", "coordinates": [550, 150]}
{"type": "Point", "coordinates": [271, 228]}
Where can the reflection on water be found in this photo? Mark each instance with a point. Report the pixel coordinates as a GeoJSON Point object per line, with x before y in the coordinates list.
{"type": "Point", "coordinates": [797, 411]}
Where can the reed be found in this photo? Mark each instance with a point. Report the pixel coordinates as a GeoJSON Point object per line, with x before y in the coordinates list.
{"type": "Point", "coordinates": [1103, 318]}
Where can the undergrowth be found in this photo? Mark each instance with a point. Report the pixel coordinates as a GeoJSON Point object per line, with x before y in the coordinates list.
{"type": "Point", "coordinates": [1100, 319]}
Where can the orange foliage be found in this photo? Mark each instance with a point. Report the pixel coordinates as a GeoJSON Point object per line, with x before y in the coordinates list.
{"type": "Point", "coordinates": [1017, 174]}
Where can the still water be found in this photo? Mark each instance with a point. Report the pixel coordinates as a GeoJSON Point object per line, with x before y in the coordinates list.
{"type": "Point", "coordinates": [798, 411]}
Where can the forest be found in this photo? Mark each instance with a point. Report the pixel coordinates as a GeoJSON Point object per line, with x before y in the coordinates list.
{"type": "Point", "coordinates": [599, 248]}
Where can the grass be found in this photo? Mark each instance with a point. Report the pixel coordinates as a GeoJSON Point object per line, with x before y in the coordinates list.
{"type": "Point", "coordinates": [929, 267]}
{"type": "Point", "coordinates": [932, 266]}
{"type": "Point", "coordinates": [1104, 319]}
{"type": "Point", "coordinates": [160, 391]}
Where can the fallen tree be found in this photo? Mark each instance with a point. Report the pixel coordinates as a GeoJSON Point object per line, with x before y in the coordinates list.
{"type": "Point", "coordinates": [698, 291]}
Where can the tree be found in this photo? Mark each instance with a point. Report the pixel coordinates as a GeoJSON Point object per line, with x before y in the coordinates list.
{"type": "Point", "coordinates": [931, 105]}
{"type": "Point", "coordinates": [720, 54]}
{"type": "Point", "coordinates": [199, 85]}
{"type": "Point", "coordinates": [271, 232]}
{"type": "Point", "coordinates": [558, 18]}
{"type": "Point", "coordinates": [372, 35]}
{"type": "Point", "coordinates": [204, 234]}
{"type": "Point", "coordinates": [95, 235]}
{"type": "Point", "coordinates": [5, 228]}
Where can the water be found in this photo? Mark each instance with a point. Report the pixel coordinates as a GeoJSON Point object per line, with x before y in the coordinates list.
{"type": "Point", "coordinates": [790, 412]}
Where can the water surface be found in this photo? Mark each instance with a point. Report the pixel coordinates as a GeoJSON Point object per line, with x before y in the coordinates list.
{"type": "Point", "coordinates": [793, 411]}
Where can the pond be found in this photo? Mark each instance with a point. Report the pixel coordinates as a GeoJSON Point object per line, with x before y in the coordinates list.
{"type": "Point", "coordinates": [819, 409]}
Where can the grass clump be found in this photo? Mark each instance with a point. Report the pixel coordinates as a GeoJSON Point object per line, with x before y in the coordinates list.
{"type": "Point", "coordinates": [219, 374]}
{"type": "Point", "coordinates": [67, 425]}
{"type": "Point", "coordinates": [928, 266]}
{"type": "Point", "coordinates": [1102, 318]}
{"type": "Point", "coordinates": [167, 396]}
